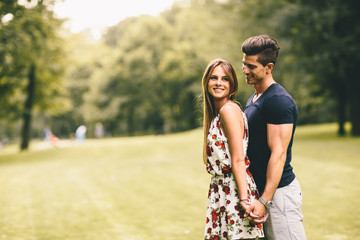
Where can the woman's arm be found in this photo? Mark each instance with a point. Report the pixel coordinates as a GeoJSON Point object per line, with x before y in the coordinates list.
{"type": "Point", "coordinates": [232, 122]}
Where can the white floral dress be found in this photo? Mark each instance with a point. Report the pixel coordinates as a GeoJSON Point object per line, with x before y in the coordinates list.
{"type": "Point", "coordinates": [224, 216]}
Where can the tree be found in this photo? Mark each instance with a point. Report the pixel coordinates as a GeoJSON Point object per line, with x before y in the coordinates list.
{"type": "Point", "coordinates": [31, 63]}
{"type": "Point", "coordinates": [326, 34]}
{"type": "Point", "coordinates": [132, 89]}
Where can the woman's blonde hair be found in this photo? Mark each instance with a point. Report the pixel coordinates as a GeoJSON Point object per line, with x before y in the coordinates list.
{"type": "Point", "coordinates": [208, 103]}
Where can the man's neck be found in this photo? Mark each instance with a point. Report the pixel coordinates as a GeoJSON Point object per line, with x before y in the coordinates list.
{"type": "Point", "coordinates": [261, 87]}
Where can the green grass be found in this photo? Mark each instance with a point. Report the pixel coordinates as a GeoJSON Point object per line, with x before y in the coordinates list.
{"type": "Point", "coordinates": [155, 187]}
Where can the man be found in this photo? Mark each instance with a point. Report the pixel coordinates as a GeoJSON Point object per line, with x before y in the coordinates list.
{"type": "Point", "coordinates": [272, 116]}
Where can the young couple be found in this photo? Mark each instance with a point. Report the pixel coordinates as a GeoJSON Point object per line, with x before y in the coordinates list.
{"type": "Point", "coordinates": [253, 191]}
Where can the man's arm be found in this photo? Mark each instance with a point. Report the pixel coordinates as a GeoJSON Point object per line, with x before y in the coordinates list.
{"type": "Point", "coordinates": [278, 136]}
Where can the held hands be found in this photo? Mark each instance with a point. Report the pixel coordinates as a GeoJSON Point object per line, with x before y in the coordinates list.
{"type": "Point", "coordinates": [256, 212]}
{"type": "Point", "coordinates": [244, 204]}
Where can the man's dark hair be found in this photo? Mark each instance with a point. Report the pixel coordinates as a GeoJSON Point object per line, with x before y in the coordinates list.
{"type": "Point", "coordinates": [265, 46]}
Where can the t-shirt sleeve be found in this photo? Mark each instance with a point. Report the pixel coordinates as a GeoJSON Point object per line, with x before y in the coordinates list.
{"type": "Point", "coordinates": [280, 109]}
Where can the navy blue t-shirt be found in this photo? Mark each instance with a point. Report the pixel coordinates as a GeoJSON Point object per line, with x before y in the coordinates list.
{"type": "Point", "coordinates": [274, 106]}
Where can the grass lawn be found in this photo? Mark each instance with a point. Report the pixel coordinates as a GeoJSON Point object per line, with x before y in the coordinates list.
{"type": "Point", "coordinates": [155, 187]}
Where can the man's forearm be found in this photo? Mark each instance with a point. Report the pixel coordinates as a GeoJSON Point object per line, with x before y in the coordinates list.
{"type": "Point", "coordinates": [273, 174]}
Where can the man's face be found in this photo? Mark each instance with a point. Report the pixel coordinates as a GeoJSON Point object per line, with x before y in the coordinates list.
{"type": "Point", "coordinates": [255, 72]}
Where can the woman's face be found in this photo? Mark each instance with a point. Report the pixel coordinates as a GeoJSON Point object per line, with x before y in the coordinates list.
{"type": "Point", "coordinates": [219, 84]}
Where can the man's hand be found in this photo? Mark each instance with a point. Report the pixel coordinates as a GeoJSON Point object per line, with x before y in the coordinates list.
{"type": "Point", "coordinates": [256, 213]}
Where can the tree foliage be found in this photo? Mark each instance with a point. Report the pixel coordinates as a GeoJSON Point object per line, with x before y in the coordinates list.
{"type": "Point", "coordinates": [324, 37]}
{"type": "Point", "coordinates": [30, 63]}
{"type": "Point", "coordinates": [144, 75]}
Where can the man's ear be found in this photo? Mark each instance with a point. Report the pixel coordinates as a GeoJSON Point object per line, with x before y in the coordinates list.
{"type": "Point", "coordinates": [269, 67]}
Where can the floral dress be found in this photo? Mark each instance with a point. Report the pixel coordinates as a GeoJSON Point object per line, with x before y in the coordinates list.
{"type": "Point", "coordinates": [225, 216]}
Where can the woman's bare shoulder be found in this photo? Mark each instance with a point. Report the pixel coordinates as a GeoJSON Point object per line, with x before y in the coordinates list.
{"type": "Point", "coordinates": [230, 107]}
{"type": "Point", "coordinates": [230, 111]}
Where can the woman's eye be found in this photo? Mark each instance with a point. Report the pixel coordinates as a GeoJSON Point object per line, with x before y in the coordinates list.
{"type": "Point", "coordinates": [213, 77]}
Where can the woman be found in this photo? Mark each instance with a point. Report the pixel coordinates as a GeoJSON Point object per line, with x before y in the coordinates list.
{"type": "Point", "coordinates": [232, 187]}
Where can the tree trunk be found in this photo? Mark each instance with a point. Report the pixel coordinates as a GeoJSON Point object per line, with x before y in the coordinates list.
{"type": "Point", "coordinates": [341, 100]}
{"type": "Point", "coordinates": [354, 96]}
{"type": "Point", "coordinates": [130, 121]}
{"type": "Point", "coordinates": [26, 129]}
{"type": "Point", "coordinates": [355, 112]}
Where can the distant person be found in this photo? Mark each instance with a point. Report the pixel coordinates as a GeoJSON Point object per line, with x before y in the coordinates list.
{"type": "Point", "coordinates": [99, 130]}
{"type": "Point", "coordinates": [50, 137]}
{"type": "Point", "coordinates": [54, 140]}
{"type": "Point", "coordinates": [46, 134]}
{"type": "Point", "coordinates": [232, 188]}
{"type": "Point", "coordinates": [272, 116]}
{"type": "Point", "coordinates": [80, 133]}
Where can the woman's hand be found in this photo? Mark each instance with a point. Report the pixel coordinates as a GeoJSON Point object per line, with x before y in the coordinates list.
{"type": "Point", "coordinates": [254, 211]}
{"type": "Point", "coordinates": [245, 205]}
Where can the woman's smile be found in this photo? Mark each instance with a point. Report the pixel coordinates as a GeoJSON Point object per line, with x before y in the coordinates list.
{"type": "Point", "coordinates": [219, 85]}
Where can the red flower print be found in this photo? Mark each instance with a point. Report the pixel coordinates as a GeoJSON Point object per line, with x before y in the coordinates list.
{"type": "Point", "coordinates": [225, 215]}
{"type": "Point", "coordinates": [209, 167]}
{"type": "Point", "coordinates": [226, 169]}
{"type": "Point", "coordinates": [247, 162]}
{"type": "Point", "coordinates": [226, 189]}
{"type": "Point", "coordinates": [249, 174]}
{"type": "Point", "coordinates": [215, 187]}
{"type": "Point", "coordinates": [214, 216]}
{"type": "Point", "coordinates": [241, 213]}
{"type": "Point", "coordinates": [208, 151]}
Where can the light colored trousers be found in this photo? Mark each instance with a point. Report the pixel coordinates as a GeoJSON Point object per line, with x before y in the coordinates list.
{"type": "Point", "coordinates": [285, 221]}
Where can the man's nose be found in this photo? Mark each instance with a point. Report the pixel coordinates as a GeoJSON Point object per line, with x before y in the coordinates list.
{"type": "Point", "coordinates": [245, 70]}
